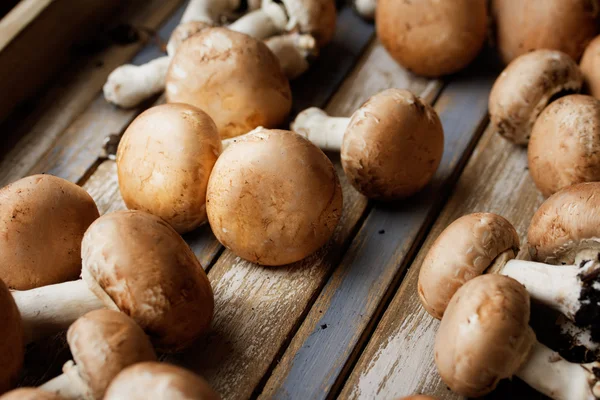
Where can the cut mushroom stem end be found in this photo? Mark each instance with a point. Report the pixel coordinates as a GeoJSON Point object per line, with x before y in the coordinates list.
{"type": "Point", "coordinates": [68, 385]}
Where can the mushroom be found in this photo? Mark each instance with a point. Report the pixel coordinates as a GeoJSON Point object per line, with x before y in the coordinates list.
{"type": "Point", "coordinates": [390, 147]}
{"type": "Point", "coordinates": [30, 394]}
{"type": "Point", "coordinates": [526, 86]}
{"type": "Point", "coordinates": [483, 242]}
{"type": "Point", "coordinates": [103, 343]}
{"type": "Point", "coordinates": [418, 397]}
{"type": "Point", "coordinates": [231, 76]}
{"type": "Point", "coordinates": [164, 160]}
{"type": "Point", "coordinates": [565, 25]}
{"type": "Point", "coordinates": [432, 37]}
{"type": "Point", "coordinates": [366, 8]}
{"type": "Point", "coordinates": [273, 197]}
{"type": "Point", "coordinates": [590, 67]}
{"type": "Point", "coordinates": [485, 337]}
{"type": "Point", "coordinates": [42, 221]}
{"type": "Point", "coordinates": [565, 144]}
{"type": "Point", "coordinates": [133, 262]}
{"type": "Point", "coordinates": [159, 381]}
{"type": "Point", "coordinates": [11, 345]}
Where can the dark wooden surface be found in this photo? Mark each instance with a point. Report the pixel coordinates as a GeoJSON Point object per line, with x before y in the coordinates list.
{"type": "Point", "coordinates": [346, 321]}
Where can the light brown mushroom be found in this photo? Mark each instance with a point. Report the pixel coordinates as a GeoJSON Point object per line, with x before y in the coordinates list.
{"type": "Point", "coordinates": [485, 337]}
{"type": "Point", "coordinates": [565, 25]}
{"type": "Point", "coordinates": [590, 67]}
{"type": "Point", "coordinates": [565, 144]}
{"type": "Point", "coordinates": [42, 221]}
{"type": "Point", "coordinates": [133, 262]}
{"type": "Point", "coordinates": [273, 197]}
{"type": "Point", "coordinates": [233, 78]}
{"type": "Point", "coordinates": [11, 345]}
{"type": "Point", "coordinates": [103, 343]}
{"type": "Point", "coordinates": [432, 37]}
{"type": "Point", "coordinates": [30, 394]}
{"type": "Point", "coordinates": [487, 243]}
{"type": "Point", "coordinates": [164, 160]}
{"type": "Point", "coordinates": [159, 382]}
{"type": "Point", "coordinates": [526, 86]}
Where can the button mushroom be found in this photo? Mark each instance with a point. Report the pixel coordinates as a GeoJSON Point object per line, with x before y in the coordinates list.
{"type": "Point", "coordinates": [164, 160]}
{"type": "Point", "coordinates": [103, 343]}
{"type": "Point", "coordinates": [526, 87]}
{"type": "Point", "coordinates": [483, 242]}
{"type": "Point", "coordinates": [565, 25]}
{"type": "Point", "coordinates": [366, 8]}
{"type": "Point", "coordinates": [590, 66]}
{"type": "Point", "coordinates": [30, 394]}
{"type": "Point", "coordinates": [273, 197]}
{"type": "Point", "coordinates": [11, 345]}
{"type": "Point", "coordinates": [565, 144]}
{"type": "Point", "coordinates": [133, 262]}
{"type": "Point", "coordinates": [417, 397]}
{"type": "Point", "coordinates": [432, 37]}
{"type": "Point", "coordinates": [232, 77]}
{"type": "Point", "coordinates": [160, 382]}
{"type": "Point", "coordinates": [42, 221]}
{"type": "Point", "coordinates": [484, 337]}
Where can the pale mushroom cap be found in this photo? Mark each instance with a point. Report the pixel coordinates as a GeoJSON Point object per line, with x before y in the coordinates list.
{"type": "Point", "coordinates": [103, 343]}
{"type": "Point", "coordinates": [138, 263]}
{"type": "Point", "coordinates": [590, 67]}
{"type": "Point", "coordinates": [234, 78]}
{"type": "Point", "coordinates": [392, 146]}
{"type": "Point", "coordinates": [314, 17]}
{"type": "Point", "coordinates": [565, 144]}
{"type": "Point", "coordinates": [525, 88]}
{"type": "Point", "coordinates": [159, 381]}
{"type": "Point", "coordinates": [463, 251]}
{"type": "Point", "coordinates": [30, 394]}
{"type": "Point", "coordinates": [432, 37]}
{"type": "Point", "coordinates": [42, 221]}
{"type": "Point", "coordinates": [565, 25]}
{"type": "Point", "coordinates": [11, 344]}
{"type": "Point", "coordinates": [566, 223]}
{"type": "Point", "coordinates": [164, 160]}
{"type": "Point", "coordinates": [273, 198]}
{"type": "Point", "coordinates": [182, 32]}
{"type": "Point", "coordinates": [484, 336]}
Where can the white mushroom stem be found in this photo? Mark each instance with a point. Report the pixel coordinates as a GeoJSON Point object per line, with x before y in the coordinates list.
{"type": "Point", "coordinates": [293, 51]}
{"type": "Point", "coordinates": [265, 22]}
{"type": "Point", "coordinates": [69, 385]}
{"type": "Point", "coordinates": [366, 8]}
{"type": "Point", "coordinates": [550, 374]}
{"type": "Point", "coordinates": [321, 129]}
{"type": "Point", "coordinates": [53, 308]}
{"type": "Point", "coordinates": [209, 10]}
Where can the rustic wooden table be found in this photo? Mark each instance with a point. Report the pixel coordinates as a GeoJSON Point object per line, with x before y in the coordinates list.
{"type": "Point", "coordinates": [346, 322]}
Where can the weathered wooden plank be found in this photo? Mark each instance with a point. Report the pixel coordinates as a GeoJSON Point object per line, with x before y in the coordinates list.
{"type": "Point", "coordinates": [316, 361]}
{"type": "Point", "coordinates": [399, 357]}
{"type": "Point", "coordinates": [259, 308]}
{"type": "Point", "coordinates": [37, 133]}
{"type": "Point", "coordinates": [34, 45]}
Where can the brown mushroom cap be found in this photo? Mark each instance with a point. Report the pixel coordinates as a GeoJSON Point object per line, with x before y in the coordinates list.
{"type": "Point", "coordinates": [565, 144]}
{"type": "Point", "coordinates": [432, 37]}
{"type": "Point", "coordinates": [136, 262]}
{"type": "Point", "coordinates": [182, 32]}
{"type": "Point", "coordinates": [234, 78]}
{"type": "Point", "coordinates": [314, 17]}
{"type": "Point", "coordinates": [159, 381]}
{"type": "Point", "coordinates": [164, 161]}
{"type": "Point", "coordinates": [11, 344]}
{"type": "Point", "coordinates": [29, 394]}
{"type": "Point", "coordinates": [484, 336]}
{"type": "Point", "coordinates": [565, 25]}
{"type": "Point", "coordinates": [273, 197]}
{"type": "Point", "coordinates": [464, 250]}
{"type": "Point", "coordinates": [565, 224]}
{"type": "Point", "coordinates": [103, 343]}
{"type": "Point", "coordinates": [524, 89]}
{"type": "Point", "coordinates": [42, 221]}
{"type": "Point", "coordinates": [392, 146]}
{"type": "Point", "coordinates": [590, 67]}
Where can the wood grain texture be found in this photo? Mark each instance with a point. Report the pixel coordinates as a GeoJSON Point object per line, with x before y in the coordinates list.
{"type": "Point", "coordinates": [399, 357]}
{"type": "Point", "coordinates": [54, 136]}
{"type": "Point", "coordinates": [315, 362]}
{"type": "Point", "coordinates": [258, 308]}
